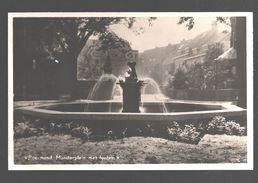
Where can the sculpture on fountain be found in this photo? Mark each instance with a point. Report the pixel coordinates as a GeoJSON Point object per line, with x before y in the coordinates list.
{"type": "Point", "coordinates": [131, 90]}
{"type": "Point", "coordinates": [132, 71]}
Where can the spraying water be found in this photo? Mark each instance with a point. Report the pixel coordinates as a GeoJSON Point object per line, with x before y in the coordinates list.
{"type": "Point", "coordinates": [152, 87]}
{"type": "Point", "coordinates": [104, 89]}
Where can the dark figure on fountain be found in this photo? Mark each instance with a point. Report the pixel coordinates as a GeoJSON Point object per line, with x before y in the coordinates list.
{"type": "Point", "coordinates": [132, 71]}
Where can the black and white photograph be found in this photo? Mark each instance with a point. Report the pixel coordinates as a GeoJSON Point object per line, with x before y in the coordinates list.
{"type": "Point", "coordinates": [130, 91]}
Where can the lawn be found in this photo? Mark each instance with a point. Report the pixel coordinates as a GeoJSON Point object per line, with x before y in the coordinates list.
{"type": "Point", "coordinates": [65, 149]}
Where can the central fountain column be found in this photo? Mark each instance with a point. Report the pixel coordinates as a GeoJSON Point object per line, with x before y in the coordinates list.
{"type": "Point", "coordinates": [131, 90]}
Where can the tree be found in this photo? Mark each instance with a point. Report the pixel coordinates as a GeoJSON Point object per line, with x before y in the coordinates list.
{"type": "Point", "coordinates": [214, 50]}
{"type": "Point", "coordinates": [180, 79]}
{"type": "Point", "coordinates": [238, 42]}
{"type": "Point", "coordinates": [62, 39]}
{"type": "Point", "coordinates": [203, 76]}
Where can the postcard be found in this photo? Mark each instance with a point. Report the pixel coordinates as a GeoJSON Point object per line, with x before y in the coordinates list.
{"type": "Point", "coordinates": [130, 91]}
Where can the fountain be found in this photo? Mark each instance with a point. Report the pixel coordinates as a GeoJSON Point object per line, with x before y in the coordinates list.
{"type": "Point", "coordinates": [131, 90]}
{"type": "Point", "coordinates": [137, 105]}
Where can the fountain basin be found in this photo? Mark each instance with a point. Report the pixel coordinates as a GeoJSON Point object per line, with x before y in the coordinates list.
{"type": "Point", "coordinates": [110, 110]}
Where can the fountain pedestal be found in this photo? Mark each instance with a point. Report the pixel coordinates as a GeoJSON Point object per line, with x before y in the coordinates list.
{"type": "Point", "coordinates": [131, 90]}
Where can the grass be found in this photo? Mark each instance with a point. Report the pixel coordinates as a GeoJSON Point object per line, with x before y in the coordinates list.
{"type": "Point", "coordinates": [65, 149]}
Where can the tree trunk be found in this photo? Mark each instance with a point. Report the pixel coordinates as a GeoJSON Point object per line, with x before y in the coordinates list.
{"type": "Point", "coordinates": [72, 67]}
{"type": "Point", "coordinates": [240, 46]}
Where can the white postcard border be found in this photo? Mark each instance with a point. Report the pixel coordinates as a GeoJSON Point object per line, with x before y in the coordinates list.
{"type": "Point", "coordinates": [225, 166]}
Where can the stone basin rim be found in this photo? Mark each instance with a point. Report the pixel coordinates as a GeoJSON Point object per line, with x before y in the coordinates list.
{"type": "Point", "coordinates": [228, 109]}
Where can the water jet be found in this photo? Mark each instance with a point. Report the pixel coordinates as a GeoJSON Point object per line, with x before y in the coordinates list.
{"type": "Point", "coordinates": [102, 105]}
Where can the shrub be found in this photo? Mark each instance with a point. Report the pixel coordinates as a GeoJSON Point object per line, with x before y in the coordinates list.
{"type": "Point", "coordinates": [174, 131]}
{"type": "Point", "coordinates": [216, 125]}
{"type": "Point", "coordinates": [148, 130]}
{"type": "Point", "coordinates": [61, 128]}
{"type": "Point", "coordinates": [219, 125]}
{"type": "Point", "coordinates": [110, 135]}
{"type": "Point", "coordinates": [189, 134]}
{"type": "Point", "coordinates": [82, 132]}
{"type": "Point", "coordinates": [233, 128]}
{"type": "Point", "coordinates": [124, 132]}
{"type": "Point", "coordinates": [25, 129]}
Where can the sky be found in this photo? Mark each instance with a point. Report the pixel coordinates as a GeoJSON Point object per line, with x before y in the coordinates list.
{"type": "Point", "coordinates": [163, 31]}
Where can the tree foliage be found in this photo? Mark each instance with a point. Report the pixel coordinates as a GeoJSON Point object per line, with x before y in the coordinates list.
{"type": "Point", "coordinates": [69, 35]}
{"type": "Point", "coordinates": [238, 41]}
{"type": "Point", "coordinates": [62, 37]}
{"type": "Point", "coordinates": [190, 21]}
{"type": "Point", "coordinates": [214, 50]}
{"type": "Point", "coordinates": [60, 40]}
{"type": "Point", "coordinates": [180, 79]}
{"type": "Point", "coordinates": [200, 76]}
